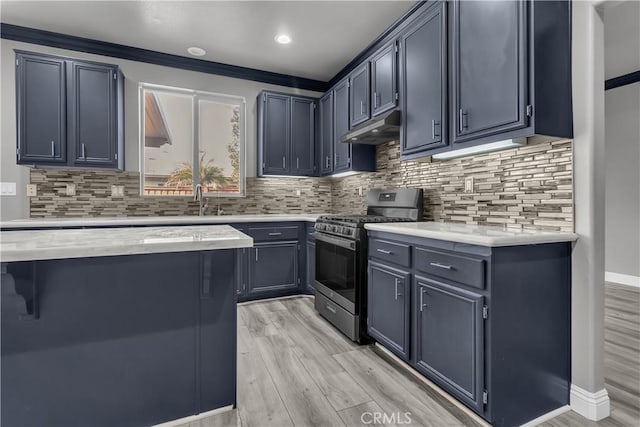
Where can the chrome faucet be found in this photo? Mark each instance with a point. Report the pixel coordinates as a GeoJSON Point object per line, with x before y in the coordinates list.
{"type": "Point", "coordinates": [198, 197]}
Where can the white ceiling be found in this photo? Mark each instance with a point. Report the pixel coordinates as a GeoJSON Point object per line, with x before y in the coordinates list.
{"type": "Point", "coordinates": [326, 34]}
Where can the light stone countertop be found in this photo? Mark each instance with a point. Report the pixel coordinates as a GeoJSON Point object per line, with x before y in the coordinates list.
{"type": "Point", "coordinates": [153, 220]}
{"type": "Point", "coordinates": [481, 235]}
{"type": "Point", "coordinates": [31, 245]}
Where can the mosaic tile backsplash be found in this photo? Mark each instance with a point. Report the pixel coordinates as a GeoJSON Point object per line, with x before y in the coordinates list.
{"type": "Point", "coordinates": [527, 187]}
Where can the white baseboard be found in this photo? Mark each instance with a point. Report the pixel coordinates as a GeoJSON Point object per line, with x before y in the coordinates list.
{"type": "Point", "coordinates": [593, 406]}
{"type": "Point", "coordinates": [622, 279]}
{"type": "Point", "coordinates": [546, 417]}
{"type": "Point", "coordinates": [192, 418]}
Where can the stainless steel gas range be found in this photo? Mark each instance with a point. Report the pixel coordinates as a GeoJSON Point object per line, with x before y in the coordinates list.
{"type": "Point", "coordinates": [341, 257]}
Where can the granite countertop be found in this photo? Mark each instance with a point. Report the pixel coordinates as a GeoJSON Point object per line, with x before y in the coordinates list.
{"type": "Point", "coordinates": [31, 245]}
{"type": "Point", "coordinates": [152, 220]}
{"type": "Point", "coordinates": [481, 235]}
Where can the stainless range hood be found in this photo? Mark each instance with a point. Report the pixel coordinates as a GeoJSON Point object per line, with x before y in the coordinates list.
{"type": "Point", "coordinates": [378, 130]}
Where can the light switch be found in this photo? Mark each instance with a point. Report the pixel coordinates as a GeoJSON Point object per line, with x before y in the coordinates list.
{"type": "Point", "coordinates": [298, 193]}
{"type": "Point", "coordinates": [117, 191]}
{"type": "Point", "coordinates": [359, 191]}
{"type": "Point", "coordinates": [7, 188]}
{"type": "Point", "coordinates": [71, 189]}
{"type": "Point", "coordinates": [32, 190]}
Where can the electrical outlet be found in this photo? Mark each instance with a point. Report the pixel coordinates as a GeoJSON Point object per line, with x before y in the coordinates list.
{"type": "Point", "coordinates": [32, 190]}
{"type": "Point", "coordinates": [71, 189]}
{"type": "Point", "coordinates": [468, 184]}
{"type": "Point", "coordinates": [117, 191]}
{"type": "Point", "coordinates": [298, 193]}
{"type": "Point", "coordinates": [359, 191]}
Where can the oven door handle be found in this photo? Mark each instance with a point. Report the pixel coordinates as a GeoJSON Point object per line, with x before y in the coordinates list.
{"type": "Point", "coordinates": [338, 241]}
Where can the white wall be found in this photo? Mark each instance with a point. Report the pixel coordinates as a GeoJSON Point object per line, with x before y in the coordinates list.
{"type": "Point", "coordinates": [622, 123]}
{"type": "Point", "coordinates": [12, 207]}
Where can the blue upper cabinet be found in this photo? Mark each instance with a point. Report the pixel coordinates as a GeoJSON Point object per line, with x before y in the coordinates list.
{"type": "Point", "coordinates": [274, 133]}
{"type": "Point", "coordinates": [326, 134]}
{"type": "Point", "coordinates": [359, 96]}
{"type": "Point", "coordinates": [489, 75]}
{"type": "Point", "coordinates": [303, 133]}
{"type": "Point", "coordinates": [510, 72]}
{"type": "Point", "coordinates": [41, 109]}
{"type": "Point", "coordinates": [286, 134]}
{"type": "Point", "coordinates": [341, 104]}
{"type": "Point", "coordinates": [69, 112]}
{"type": "Point", "coordinates": [384, 79]}
{"type": "Point", "coordinates": [93, 103]}
{"type": "Point", "coordinates": [423, 83]}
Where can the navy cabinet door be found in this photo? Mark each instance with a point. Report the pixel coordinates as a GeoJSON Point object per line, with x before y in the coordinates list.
{"type": "Point", "coordinates": [273, 267]}
{"type": "Point", "coordinates": [388, 319]}
{"type": "Point", "coordinates": [311, 267]}
{"type": "Point", "coordinates": [41, 109]}
{"type": "Point", "coordinates": [326, 134]}
{"type": "Point", "coordinates": [275, 130]}
{"type": "Point", "coordinates": [384, 79]}
{"type": "Point", "coordinates": [302, 136]}
{"type": "Point", "coordinates": [424, 83]}
{"type": "Point", "coordinates": [93, 125]}
{"type": "Point", "coordinates": [341, 150]}
{"type": "Point", "coordinates": [449, 339]}
{"type": "Point", "coordinates": [359, 95]}
{"type": "Point", "coordinates": [489, 75]}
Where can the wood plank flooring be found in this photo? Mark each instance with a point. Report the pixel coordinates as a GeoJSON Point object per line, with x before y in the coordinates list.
{"type": "Point", "coordinates": [294, 369]}
{"type": "Point", "coordinates": [621, 361]}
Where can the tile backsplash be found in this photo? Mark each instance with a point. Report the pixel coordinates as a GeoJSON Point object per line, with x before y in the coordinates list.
{"type": "Point", "coordinates": [527, 187]}
{"type": "Point", "coordinates": [93, 196]}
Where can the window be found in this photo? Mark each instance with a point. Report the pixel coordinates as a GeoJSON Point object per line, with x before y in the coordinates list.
{"type": "Point", "coordinates": [189, 138]}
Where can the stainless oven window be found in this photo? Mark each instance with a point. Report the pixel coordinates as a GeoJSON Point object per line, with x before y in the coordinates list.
{"type": "Point", "coordinates": [336, 268]}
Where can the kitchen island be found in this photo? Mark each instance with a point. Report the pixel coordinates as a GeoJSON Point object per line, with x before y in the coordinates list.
{"type": "Point", "coordinates": [118, 326]}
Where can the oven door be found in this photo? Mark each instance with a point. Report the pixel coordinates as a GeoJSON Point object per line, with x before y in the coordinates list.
{"type": "Point", "coordinates": [336, 266]}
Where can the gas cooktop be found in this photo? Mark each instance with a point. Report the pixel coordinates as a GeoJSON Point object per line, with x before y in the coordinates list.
{"type": "Point", "coordinates": [359, 219]}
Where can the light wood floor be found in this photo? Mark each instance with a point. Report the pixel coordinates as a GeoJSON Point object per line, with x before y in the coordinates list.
{"type": "Point", "coordinates": [621, 361]}
{"type": "Point", "coordinates": [294, 369]}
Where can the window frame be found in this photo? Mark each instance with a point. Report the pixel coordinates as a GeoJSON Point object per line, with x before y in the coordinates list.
{"type": "Point", "coordinates": [196, 96]}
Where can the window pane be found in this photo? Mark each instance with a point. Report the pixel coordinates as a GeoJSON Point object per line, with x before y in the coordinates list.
{"type": "Point", "coordinates": [168, 143]}
{"type": "Point", "coordinates": [219, 137]}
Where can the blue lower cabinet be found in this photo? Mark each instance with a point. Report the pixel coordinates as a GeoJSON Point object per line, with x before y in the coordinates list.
{"type": "Point", "coordinates": [490, 326]}
{"type": "Point", "coordinates": [449, 338]}
{"type": "Point", "coordinates": [273, 267]}
{"type": "Point", "coordinates": [388, 319]}
{"type": "Point", "coordinates": [120, 340]}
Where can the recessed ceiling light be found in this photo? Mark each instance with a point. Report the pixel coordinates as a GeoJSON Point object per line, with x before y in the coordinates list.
{"type": "Point", "coordinates": [196, 51]}
{"type": "Point", "coordinates": [283, 39]}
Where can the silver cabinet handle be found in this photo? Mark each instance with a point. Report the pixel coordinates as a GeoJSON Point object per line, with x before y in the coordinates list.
{"type": "Point", "coordinates": [84, 153]}
{"type": "Point", "coordinates": [297, 162]}
{"type": "Point", "coordinates": [327, 162]}
{"type": "Point", "coordinates": [422, 304]}
{"type": "Point", "coordinates": [361, 107]}
{"type": "Point", "coordinates": [434, 123]}
{"type": "Point", "coordinates": [331, 309]}
{"type": "Point", "coordinates": [375, 100]}
{"type": "Point", "coordinates": [53, 149]}
{"type": "Point", "coordinates": [436, 264]}
{"type": "Point", "coordinates": [275, 234]}
{"type": "Point", "coordinates": [384, 251]}
{"type": "Point", "coordinates": [256, 254]}
{"type": "Point", "coordinates": [397, 282]}
{"type": "Point", "coordinates": [462, 125]}
{"type": "Point", "coordinates": [284, 163]}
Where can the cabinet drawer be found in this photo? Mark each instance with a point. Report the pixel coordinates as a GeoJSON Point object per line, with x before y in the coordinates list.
{"type": "Point", "coordinates": [266, 234]}
{"type": "Point", "coordinates": [462, 269]}
{"type": "Point", "coordinates": [337, 315]}
{"type": "Point", "coordinates": [397, 253]}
